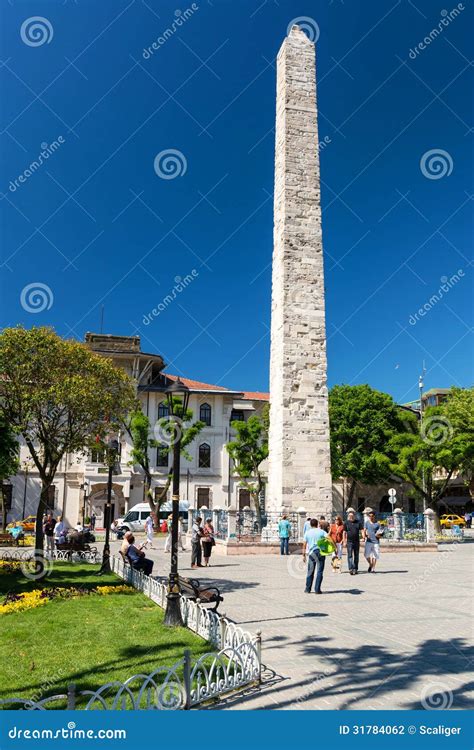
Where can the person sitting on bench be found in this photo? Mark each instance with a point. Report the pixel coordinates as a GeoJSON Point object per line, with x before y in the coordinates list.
{"type": "Point", "coordinates": [137, 557]}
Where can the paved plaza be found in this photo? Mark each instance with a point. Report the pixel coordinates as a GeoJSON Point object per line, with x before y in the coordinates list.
{"type": "Point", "coordinates": [399, 639]}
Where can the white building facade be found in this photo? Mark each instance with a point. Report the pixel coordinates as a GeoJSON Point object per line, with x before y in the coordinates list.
{"type": "Point", "coordinates": [207, 480]}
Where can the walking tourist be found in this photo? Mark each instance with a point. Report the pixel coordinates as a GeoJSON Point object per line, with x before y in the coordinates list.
{"type": "Point", "coordinates": [468, 519]}
{"type": "Point", "coordinates": [372, 534]}
{"type": "Point", "coordinates": [336, 533]}
{"type": "Point", "coordinates": [208, 541]}
{"type": "Point", "coordinates": [180, 535]}
{"type": "Point", "coordinates": [169, 523]}
{"type": "Point", "coordinates": [60, 531]}
{"type": "Point", "coordinates": [93, 520]}
{"type": "Point", "coordinates": [149, 530]}
{"type": "Point", "coordinates": [196, 552]}
{"type": "Point", "coordinates": [284, 530]}
{"type": "Point", "coordinates": [48, 531]}
{"type": "Point", "coordinates": [137, 557]}
{"type": "Point", "coordinates": [351, 540]}
{"type": "Point", "coordinates": [307, 524]}
{"type": "Point", "coordinates": [315, 559]}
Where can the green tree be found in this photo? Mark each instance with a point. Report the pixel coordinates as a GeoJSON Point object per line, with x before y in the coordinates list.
{"type": "Point", "coordinates": [139, 428]}
{"type": "Point", "coordinates": [441, 446]}
{"type": "Point", "coordinates": [57, 394]}
{"type": "Point", "coordinates": [362, 423]}
{"type": "Point", "coordinates": [9, 460]}
{"type": "Point", "coordinates": [248, 450]}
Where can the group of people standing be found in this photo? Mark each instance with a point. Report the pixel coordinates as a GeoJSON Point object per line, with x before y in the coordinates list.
{"type": "Point", "coordinates": [202, 542]}
{"type": "Point", "coordinates": [322, 540]}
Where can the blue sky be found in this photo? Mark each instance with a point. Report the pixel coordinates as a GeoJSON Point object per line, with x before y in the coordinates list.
{"type": "Point", "coordinates": [97, 226]}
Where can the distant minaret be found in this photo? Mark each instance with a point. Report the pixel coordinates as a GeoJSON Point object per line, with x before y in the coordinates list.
{"type": "Point", "coordinates": [299, 460]}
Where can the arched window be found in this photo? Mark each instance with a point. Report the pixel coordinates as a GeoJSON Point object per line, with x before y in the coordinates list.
{"type": "Point", "coordinates": [163, 410]}
{"type": "Point", "coordinates": [205, 414]}
{"type": "Point", "coordinates": [204, 456]}
{"type": "Point", "coordinates": [237, 415]}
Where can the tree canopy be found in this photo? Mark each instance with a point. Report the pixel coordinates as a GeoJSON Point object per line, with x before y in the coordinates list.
{"type": "Point", "coordinates": [248, 450]}
{"type": "Point", "coordinates": [58, 394]}
{"type": "Point", "coordinates": [362, 423]}
{"type": "Point", "coordinates": [144, 438]}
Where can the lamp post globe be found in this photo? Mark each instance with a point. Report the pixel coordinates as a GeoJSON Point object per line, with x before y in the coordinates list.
{"type": "Point", "coordinates": [178, 399]}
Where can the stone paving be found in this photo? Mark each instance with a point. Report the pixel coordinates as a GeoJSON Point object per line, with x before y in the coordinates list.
{"type": "Point", "coordinates": [399, 639]}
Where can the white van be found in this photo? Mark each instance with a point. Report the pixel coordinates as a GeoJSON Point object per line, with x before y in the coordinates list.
{"type": "Point", "coordinates": [135, 519]}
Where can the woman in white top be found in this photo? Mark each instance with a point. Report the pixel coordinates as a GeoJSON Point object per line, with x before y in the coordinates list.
{"type": "Point", "coordinates": [60, 531]}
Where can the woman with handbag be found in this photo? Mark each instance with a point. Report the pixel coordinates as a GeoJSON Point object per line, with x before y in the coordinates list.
{"type": "Point", "coordinates": [207, 541]}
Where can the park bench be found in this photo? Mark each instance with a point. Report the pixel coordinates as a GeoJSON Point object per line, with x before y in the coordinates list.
{"type": "Point", "coordinates": [192, 589]}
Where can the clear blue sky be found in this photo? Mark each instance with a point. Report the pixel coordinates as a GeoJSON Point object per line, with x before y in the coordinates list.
{"type": "Point", "coordinates": [98, 226]}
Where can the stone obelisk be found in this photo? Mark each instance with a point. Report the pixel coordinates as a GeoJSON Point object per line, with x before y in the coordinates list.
{"type": "Point", "coordinates": [299, 455]}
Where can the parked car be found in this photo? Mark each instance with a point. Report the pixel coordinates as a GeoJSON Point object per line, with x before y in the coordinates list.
{"type": "Point", "coordinates": [28, 524]}
{"type": "Point", "coordinates": [448, 521]}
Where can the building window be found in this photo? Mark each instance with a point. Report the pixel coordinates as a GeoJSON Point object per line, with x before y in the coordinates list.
{"type": "Point", "coordinates": [163, 410]}
{"type": "Point", "coordinates": [203, 497]}
{"type": "Point", "coordinates": [204, 456]}
{"type": "Point", "coordinates": [162, 455]}
{"type": "Point", "coordinates": [205, 414]}
{"type": "Point", "coordinates": [97, 456]}
{"type": "Point", "coordinates": [237, 415]}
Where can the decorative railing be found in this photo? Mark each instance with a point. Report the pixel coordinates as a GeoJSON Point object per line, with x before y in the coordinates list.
{"type": "Point", "coordinates": [22, 555]}
{"type": "Point", "coordinates": [235, 664]}
{"type": "Point", "coordinates": [183, 686]}
{"type": "Point", "coordinates": [214, 628]}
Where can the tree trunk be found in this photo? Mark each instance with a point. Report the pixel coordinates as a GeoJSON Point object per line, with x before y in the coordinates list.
{"type": "Point", "coordinates": [4, 512]}
{"type": "Point", "coordinates": [42, 505]}
{"type": "Point", "coordinates": [258, 510]}
{"type": "Point", "coordinates": [351, 494]}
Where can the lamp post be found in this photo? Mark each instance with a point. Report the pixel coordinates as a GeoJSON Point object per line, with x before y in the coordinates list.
{"type": "Point", "coordinates": [176, 415]}
{"type": "Point", "coordinates": [421, 386]}
{"type": "Point", "coordinates": [84, 488]}
{"type": "Point", "coordinates": [112, 453]}
{"type": "Point", "coordinates": [26, 468]}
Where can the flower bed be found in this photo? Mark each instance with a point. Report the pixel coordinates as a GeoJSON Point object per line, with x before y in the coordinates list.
{"type": "Point", "coordinates": [38, 597]}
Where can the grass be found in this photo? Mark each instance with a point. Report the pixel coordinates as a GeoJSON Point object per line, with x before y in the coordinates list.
{"type": "Point", "coordinates": [86, 641]}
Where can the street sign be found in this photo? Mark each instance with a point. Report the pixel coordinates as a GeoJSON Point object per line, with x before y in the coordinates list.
{"type": "Point", "coordinates": [392, 492]}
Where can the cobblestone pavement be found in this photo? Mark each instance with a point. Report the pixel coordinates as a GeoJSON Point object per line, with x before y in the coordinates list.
{"type": "Point", "coordinates": [398, 639]}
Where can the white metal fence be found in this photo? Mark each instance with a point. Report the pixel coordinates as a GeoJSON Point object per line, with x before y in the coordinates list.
{"type": "Point", "coordinates": [235, 663]}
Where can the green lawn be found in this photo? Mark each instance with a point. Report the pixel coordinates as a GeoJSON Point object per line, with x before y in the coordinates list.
{"type": "Point", "coordinates": [87, 641]}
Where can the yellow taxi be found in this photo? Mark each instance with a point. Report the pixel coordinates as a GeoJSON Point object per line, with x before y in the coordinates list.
{"type": "Point", "coordinates": [28, 523]}
{"type": "Point", "coordinates": [448, 521]}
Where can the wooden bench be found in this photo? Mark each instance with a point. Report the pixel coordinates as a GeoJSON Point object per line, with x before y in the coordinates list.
{"type": "Point", "coordinates": [192, 589]}
{"type": "Point", "coordinates": [6, 539]}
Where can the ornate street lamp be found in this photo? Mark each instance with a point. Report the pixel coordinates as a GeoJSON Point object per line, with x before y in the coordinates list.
{"type": "Point", "coordinates": [85, 489]}
{"type": "Point", "coordinates": [113, 448]}
{"type": "Point", "coordinates": [176, 413]}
